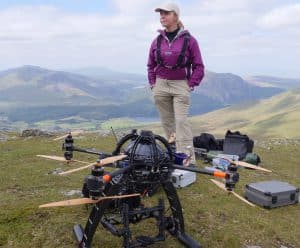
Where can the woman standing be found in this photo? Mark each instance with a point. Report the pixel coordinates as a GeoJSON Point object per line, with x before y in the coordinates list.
{"type": "Point", "coordinates": [175, 67]}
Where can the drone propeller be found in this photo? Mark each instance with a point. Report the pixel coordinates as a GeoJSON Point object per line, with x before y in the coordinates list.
{"type": "Point", "coordinates": [61, 159]}
{"type": "Point", "coordinates": [80, 201]}
{"type": "Point", "coordinates": [74, 133]}
{"type": "Point", "coordinates": [247, 165]}
{"type": "Point", "coordinates": [222, 186]}
{"type": "Point", "coordinates": [102, 162]}
{"type": "Point", "coordinates": [243, 164]}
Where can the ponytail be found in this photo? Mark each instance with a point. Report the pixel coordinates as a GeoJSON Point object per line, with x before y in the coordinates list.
{"type": "Point", "coordinates": [180, 24]}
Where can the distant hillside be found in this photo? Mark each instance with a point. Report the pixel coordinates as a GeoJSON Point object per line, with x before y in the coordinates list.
{"type": "Point", "coordinates": [33, 94]}
{"type": "Point", "coordinates": [36, 86]}
{"type": "Point", "coordinates": [267, 81]}
{"type": "Point", "coordinates": [278, 116]}
{"type": "Point", "coordinates": [228, 88]}
{"type": "Point", "coordinates": [109, 75]}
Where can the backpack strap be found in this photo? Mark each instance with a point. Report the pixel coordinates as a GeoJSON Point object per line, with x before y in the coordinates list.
{"type": "Point", "coordinates": [182, 52]}
{"type": "Point", "coordinates": [158, 51]}
{"type": "Point", "coordinates": [179, 63]}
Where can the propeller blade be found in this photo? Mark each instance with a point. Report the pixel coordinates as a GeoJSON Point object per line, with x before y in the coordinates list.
{"type": "Point", "coordinates": [74, 133]}
{"type": "Point", "coordinates": [77, 169]}
{"type": "Point", "coordinates": [243, 164]}
{"type": "Point", "coordinates": [102, 162]}
{"type": "Point", "coordinates": [112, 159]}
{"type": "Point", "coordinates": [80, 201]}
{"type": "Point", "coordinates": [61, 159]}
{"type": "Point", "coordinates": [222, 186]}
{"type": "Point", "coordinates": [251, 166]}
{"type": "Point", "coordinates": [57, 158]}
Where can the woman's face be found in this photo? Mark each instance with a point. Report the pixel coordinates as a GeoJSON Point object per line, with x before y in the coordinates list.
{"type": "Point", "coordinates": [168, 18]}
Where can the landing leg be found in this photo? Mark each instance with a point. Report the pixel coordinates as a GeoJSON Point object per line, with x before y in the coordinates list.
{"type": "Point", "coordinates": [175, 223]}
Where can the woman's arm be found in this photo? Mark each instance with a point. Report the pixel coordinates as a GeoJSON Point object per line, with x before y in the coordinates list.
{"type": "Point", "coordinates": [151, 65]}
{"type": "Point", "coordinates": [197, 64]}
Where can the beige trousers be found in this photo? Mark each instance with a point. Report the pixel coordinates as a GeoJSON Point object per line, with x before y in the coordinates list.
{"type": "Point", "coordinates": [172, 99]}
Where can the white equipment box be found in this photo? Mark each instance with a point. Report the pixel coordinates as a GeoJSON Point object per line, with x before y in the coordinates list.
{"type": "Point", "coordinates": [183, 178]}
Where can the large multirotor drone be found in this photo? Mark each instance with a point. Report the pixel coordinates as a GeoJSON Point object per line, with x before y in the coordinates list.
{"type": "Point", "coordinates": [143, 163]}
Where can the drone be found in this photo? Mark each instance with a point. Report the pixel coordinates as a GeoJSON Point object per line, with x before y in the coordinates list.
{"type": "Point", "coordinates": [143, 163]}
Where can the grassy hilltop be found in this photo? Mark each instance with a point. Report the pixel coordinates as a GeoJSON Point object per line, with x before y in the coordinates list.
{"type": "Point", "coordinates": [277, 116]}
{"type": "Point", "coordinates": [212, 217]}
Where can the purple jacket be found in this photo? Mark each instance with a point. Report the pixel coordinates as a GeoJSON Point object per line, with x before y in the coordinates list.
{"type": "Point", "coordinates": [169, 55]}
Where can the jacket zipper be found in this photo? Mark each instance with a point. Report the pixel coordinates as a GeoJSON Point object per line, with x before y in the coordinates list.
{"type": "Point", "coordinates": [170, 43]}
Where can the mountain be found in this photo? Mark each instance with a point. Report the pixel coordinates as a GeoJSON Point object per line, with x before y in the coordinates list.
{"type": "Point", "coordinates": [277, 116]}
{"type": "Point", "coordinates": [110, 75]}
{"type": "Point", "coordinates": [36, 86]}
{"type": "Point", "coordinates": [33, 94]}
{"type": "Point", "coordinates": [268, 81]}
{"type": "Point", "coordinates": [228, 88]}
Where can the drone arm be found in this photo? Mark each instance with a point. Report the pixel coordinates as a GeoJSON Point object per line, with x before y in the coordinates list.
{"type": "Point", "coordinates": [77, 149]}
{"type": "Point", "coordinates": [69, 148]}
{"type": "Point", "coordinates": [219, 174]}
{"type": "Point", "coordinates": [231, 176]}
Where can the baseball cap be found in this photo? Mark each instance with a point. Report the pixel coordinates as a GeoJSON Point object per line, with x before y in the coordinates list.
{"type": "Point", "coordinates": [169, 7]}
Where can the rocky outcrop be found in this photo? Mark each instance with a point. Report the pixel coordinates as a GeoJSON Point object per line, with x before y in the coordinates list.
{"type": "Point", "coordinates": [35, 132]}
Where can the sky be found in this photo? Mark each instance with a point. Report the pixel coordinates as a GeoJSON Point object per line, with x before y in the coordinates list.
{"type": "Point", "coordinates": [245, 37]}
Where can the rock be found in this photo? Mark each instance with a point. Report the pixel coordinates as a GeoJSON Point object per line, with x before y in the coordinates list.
{"type": "Point", "coordinates": [56, 171]}
{"type": "Point", "coordinates": [3, 138]}
{"type": "Point", "coordinates": [35, 132]}
{"type": "Point", "coordinates": [71, 192]}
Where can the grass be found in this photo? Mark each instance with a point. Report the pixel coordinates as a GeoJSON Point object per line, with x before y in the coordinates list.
{"type": "Point", "coordinates": [119, 123]}
{"type": "Point", "coordinates": [273, 117]}
{"type": "Point", "coordinates": [212, 217]}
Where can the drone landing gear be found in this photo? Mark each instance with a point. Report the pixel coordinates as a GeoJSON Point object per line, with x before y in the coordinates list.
{"type": "Point", "coordinates": [173, 223]}
{"type": "Point", "coordinates": [128, 216]}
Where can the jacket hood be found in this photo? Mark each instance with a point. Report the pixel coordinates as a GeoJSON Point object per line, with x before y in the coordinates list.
{"type": "Point", "coordinates": [180, 32]}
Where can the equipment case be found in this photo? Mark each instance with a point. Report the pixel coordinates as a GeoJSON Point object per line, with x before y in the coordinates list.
{"type": "Point", "coordinates": [270, 194]}
{"type": "Point", "coordinates": [182, 178]}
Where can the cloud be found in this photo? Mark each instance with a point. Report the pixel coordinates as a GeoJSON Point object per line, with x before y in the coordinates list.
{"type": "Point", "coordinates": [232, 35]}
{"type": "Point", "coordinates": [282, 17]}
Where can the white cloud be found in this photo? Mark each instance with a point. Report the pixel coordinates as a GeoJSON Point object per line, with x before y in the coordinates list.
{"type": "Point", "coordinates": [282, 17]}
{"type": "Point", "coordinates": [240, 36]}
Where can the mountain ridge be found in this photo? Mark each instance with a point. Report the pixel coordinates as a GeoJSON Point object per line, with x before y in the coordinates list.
{"type": "Point", "coordinates": [32, 94]}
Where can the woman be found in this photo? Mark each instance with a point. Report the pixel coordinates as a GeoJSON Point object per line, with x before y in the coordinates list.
{"type": "Point", "coordinates": [175, 67]}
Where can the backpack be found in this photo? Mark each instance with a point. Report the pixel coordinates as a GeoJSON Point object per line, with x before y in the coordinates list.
{"type": "Point", "coordinates": [206, 141]}
{"type": "Point", "coordinates": [252, 158]}
{"type": "Point", "coordinates": [236, 143]}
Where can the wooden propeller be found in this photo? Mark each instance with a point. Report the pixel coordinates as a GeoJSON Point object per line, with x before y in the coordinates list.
{"type": "Point", "coordinates": [74, 133]}
{"type": "Point", "coordinates": [222, 186]}
{"type": "Point", "coordinates": [247, 165]}
{"type": "Point", "coordinates": [102, 162]}
{"type": "Point", "coordinates": [243, 164]}
{"type": "Point", "coordinates": [80, 201]}
{"type": "Point", "coordinates": [61, 159]}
